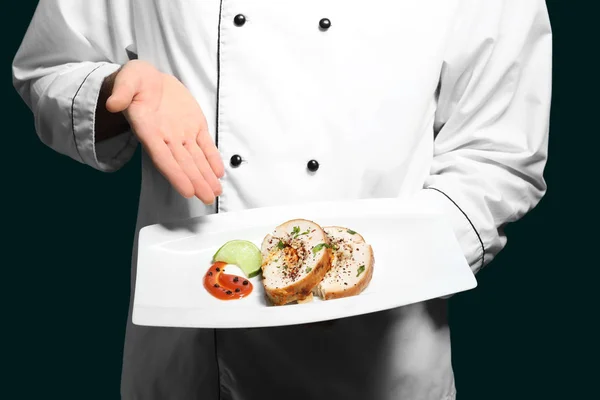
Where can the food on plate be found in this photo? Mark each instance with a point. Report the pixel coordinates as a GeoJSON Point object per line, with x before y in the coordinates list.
{"type": "Point", "coordinates": [298, 260]}
{"type": "Point", "coordinates": [296, 257]}
{"type": "Point", "coordinates": [352, 263]}
{"type": "Point", "coordinates": [225, 286]}
{"type": "Point", "coordinates": [308, 299]}
{"type": "Point", "coordinates": [242, 253]}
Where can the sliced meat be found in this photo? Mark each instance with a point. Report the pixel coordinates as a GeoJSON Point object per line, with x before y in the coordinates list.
{"type": "Point", "coordinates": [296, 257]}
{"type": "Point", "coordinates": [352, 265]}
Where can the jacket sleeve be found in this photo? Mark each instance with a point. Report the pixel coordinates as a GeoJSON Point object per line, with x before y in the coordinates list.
{"type": "Point", "coordinates": [68, 50]}
{"type": "Point", "coordinates": [491, 123]}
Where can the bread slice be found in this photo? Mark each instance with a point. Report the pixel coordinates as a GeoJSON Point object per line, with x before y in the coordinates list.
{"type": "Point", "coordinates": [352, 265]}
{"type": "Point", "coordinates": [296, 257]}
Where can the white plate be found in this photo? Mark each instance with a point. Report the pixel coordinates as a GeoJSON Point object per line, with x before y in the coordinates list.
{"type": "Point", "coordinates": [416, 253]}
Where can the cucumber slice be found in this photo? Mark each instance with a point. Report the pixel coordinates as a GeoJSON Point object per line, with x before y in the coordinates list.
{"type": "Point", "coordinates": [242, 253]}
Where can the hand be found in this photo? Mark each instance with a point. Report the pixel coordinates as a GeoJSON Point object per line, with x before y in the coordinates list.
{"type": "Point", "coordinates": [171, 127]}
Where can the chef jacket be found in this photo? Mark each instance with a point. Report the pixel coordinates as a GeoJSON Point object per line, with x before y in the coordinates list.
{"type": "Point", "coordinates": [445, 102]}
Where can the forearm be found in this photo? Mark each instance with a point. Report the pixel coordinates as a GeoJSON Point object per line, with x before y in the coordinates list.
{"type": "Point", "coordinates": [107, 124]}
{"type": "Point", "coordinates": [492, 122]}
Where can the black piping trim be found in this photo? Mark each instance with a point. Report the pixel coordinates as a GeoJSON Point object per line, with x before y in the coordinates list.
{"type": "Point", "coordinates": [218, 87]}
{"type": "Point", "coordinates": [73, 112]}
{"type": "Point", "coordinates": [217, 145]}
{"type": "Point", "coordinates": [468, 219]}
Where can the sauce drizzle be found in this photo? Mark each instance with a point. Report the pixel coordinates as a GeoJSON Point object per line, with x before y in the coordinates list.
{"type": "Point", "coordinates": [225, 286]}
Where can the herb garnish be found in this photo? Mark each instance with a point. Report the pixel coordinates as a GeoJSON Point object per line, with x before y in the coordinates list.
{"type": "Point", "coordinates": [296, 232]}
{"type": "Point", "coordinates": [318, 247]}
{"type": "Point", "coordinates": [350, 231]}
{"type": "Point", "coordinates": [280, 245]}
{"type": "Point", "coordinates": [360, 270]}
{"type": "Point", "coordinates": [308, 269]}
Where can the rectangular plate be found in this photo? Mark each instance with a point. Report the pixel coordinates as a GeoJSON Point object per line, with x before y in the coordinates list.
{"type": "Point", "coordinates": [417, 258]}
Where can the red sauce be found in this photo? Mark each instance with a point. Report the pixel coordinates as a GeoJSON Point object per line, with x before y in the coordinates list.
{"type": "Point", "coordinates": [225, 286]}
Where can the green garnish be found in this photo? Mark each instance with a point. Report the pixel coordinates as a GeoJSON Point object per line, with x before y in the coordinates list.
{"type": "Point", "coordinates": [360, 270]}
{"type": "Point", "coordinates": [318, 247]}
{"type": "Point", "coordinates": [242, 253]}
{"type": "Point", "coordinates": [308, 270]}
{"type": "Point", "coordinates": [280, 245]}
{"type": "Point", "coordinates": [350, 231]}
{"type": "Point", "coordinates": [296, 232]}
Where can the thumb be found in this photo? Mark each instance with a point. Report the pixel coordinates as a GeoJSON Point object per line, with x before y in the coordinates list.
{"type": "Point", "coordinates": [125, 87]}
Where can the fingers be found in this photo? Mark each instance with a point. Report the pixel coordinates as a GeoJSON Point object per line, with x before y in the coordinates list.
{"type": "Point", "coordinates": [211, 153]}
{"type": "Point", "coordinates": [180, 161]}
{"type": "Point", "coordinates": [125, 88]}
{"type": "Point", "coordinates": [167, 165]}
{"type": "Point", "coordinates": [186, 169]}
{"type": "Point", "coordinates": [186, 162]}
{"type": "Point", "coordinates": [203, 166]}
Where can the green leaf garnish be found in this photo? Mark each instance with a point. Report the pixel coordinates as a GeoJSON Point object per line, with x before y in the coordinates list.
{"type": "Point", "coordinates": [350, 231]}
{"type": "Point", "coordinates": [296, 232]}
{"type": "Point", "coordinates": [280, 245]}
{"type": "Point", "coordinates": [318, 247]}
{"type": "Point", "coordinates": [360, 270]}
{"type": "Point", "coordinates": [308, 269]}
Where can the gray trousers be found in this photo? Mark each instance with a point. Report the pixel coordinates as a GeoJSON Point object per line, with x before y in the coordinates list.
{"type": "Point", "coordinates": [398, 354]}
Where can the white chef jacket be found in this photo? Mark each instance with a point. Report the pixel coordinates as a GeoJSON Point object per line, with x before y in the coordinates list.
{"type": "Point", "coordinates": [442, 101]}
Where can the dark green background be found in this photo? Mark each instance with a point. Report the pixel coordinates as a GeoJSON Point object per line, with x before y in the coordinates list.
{"type": "Point", "coordinates": [69, 232]}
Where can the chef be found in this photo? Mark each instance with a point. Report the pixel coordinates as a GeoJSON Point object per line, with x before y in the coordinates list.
{"type": "Point", "coordinates": [243, 104]}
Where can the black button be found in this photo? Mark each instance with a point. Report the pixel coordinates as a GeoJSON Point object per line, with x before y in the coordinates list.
{"type": "Point", "coordinates": [239, 20]}
{"type": "Point", "coordinates": [312, 165]}
{"type": "Point", "coordinates": [235, 160]}
{"type": "Point", "coordinates": [325, 24]}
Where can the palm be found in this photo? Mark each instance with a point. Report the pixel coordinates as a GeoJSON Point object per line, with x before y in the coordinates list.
{"type": "Point", "coordinates": [166, 106]}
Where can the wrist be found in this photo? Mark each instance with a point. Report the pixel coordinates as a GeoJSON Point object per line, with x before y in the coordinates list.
{"type": "Point", "coordinates": [108, 124]}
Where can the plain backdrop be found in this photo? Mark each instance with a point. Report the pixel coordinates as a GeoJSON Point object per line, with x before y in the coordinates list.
{"type": "Point", "coordinates": [68, 232]}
